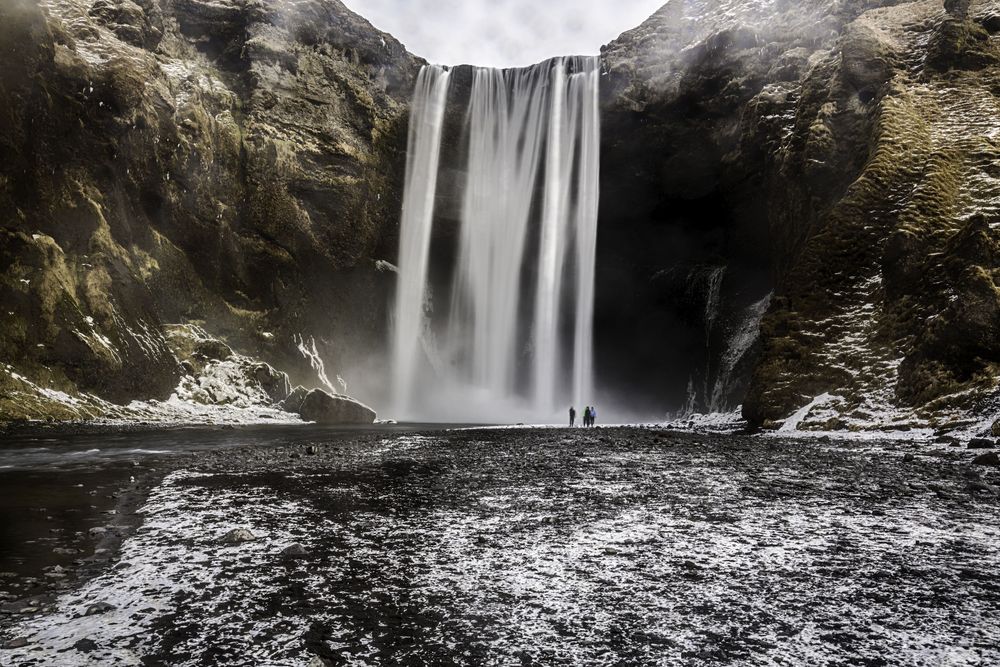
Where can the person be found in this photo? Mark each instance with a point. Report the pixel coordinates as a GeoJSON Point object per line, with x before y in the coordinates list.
{"type": "Point", "coordinates": [586, 416]}
{"type": "Point", "coordinates": [593, 415]}
{"type": "Point", "coordinates": [572, 416]}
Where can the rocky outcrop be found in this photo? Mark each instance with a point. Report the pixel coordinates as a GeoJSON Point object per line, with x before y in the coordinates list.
{"type": "Point", "coordinates": [217, 385]}
{"type": "Point", "coordinates": [889, 302]}
{"type": "Point", "coordinates": [855, 141]}
{"type": "Point", "coordinates": [294, 400]}
{"type": "Point", "coordinates": [231, 162]}
{"type": "Point", "coordinates": [324, 408]}
{"type": "Point", "coordinates": [216, 375]}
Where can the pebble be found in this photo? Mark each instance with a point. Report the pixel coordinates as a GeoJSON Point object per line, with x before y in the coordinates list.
{"type": "Point", "coordinates": [85, 645]}
{"type": "Point", "coordinates": [99, 608]}
{"type": "Point", "coordinates": [238, 536]}
{"type": "Point", "coordinates": [294, 551]}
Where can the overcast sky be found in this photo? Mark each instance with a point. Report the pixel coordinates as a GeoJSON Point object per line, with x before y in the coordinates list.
{"type": "Point", "coordinates": [503, 33]}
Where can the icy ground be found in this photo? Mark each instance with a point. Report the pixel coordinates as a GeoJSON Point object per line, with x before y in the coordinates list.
{"type": "Point", "coordinates": [616, 546]}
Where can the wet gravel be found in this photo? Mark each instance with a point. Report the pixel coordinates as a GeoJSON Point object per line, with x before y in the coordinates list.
{"type": "Point", "coordinates": [535, 546]}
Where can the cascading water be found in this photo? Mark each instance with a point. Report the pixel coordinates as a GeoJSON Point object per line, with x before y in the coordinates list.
{"type": "Point", "coordinates": [738, 345]}
{"type": "Point", "coordinates": [516, 337]}
{"type": "Point", "coordinates": [705, 284]}
{"type": "Point", "coordinates": [422, 156]}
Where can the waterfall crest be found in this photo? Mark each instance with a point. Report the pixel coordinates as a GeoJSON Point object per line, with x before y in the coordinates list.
{"type": "Point", "coordinates": [514, 337]}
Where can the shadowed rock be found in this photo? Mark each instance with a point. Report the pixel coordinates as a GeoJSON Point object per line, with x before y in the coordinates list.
{"type": "Point", "coordinates": [294, 401]}
{"type": "Point", "coordinates": [981, 443]}
{"type": "Point", "coordinates": [294, 551]}
{"type": "Point", "coordinates": [988, 459]}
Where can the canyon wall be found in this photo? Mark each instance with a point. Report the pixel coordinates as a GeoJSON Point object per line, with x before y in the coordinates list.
{"type": "Point", "coordinates": [843, 154]}
{"type": "Point", "coordinates": [231, 163]}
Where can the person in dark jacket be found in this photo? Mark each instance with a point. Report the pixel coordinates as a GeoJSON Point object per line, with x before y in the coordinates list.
{"type": "Point", "coordinates": [572, 415]}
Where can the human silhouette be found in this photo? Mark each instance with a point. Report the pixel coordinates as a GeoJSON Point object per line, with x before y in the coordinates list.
{"type": "Point", "coordinates": [572, 415]}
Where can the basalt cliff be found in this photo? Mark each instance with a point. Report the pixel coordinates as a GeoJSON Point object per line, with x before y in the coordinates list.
{"type": "Point", "coordinates": [799, 204]}
{"type": "Point", "coordinates": [832, 166]}
{"type": "Point", "coordinates": [231, 164]}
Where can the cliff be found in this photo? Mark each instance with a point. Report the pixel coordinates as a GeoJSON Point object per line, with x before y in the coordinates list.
{"type": "Point", "coordinates": [231, 163]}
{"type": "Point", "coordinates": [844, 155]}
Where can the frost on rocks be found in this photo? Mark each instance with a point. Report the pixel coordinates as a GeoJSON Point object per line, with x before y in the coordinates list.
{"type": "Point", "coordinates": [636, 554]}
{"type": "Point", "coordinates": [221, 386]}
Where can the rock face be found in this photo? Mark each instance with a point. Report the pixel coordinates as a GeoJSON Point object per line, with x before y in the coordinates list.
{"type": "Point", "coordinates": [319, 406]}
{"type": "Point", "coordinates": [228, 162]}
{"type": "Point", "coordinates": [843, 155]}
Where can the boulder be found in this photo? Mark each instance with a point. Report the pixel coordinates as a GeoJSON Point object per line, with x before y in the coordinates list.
{"type": "Point", "coordinates": [20, 642]}
{"type": "Point", "coordinates": [294, 400]}
{"type": "Point", "coordinates": [294, 551]}
{"type": "Point", "coordinates": [995, 429]}
{"type": "Point", "coordinates": [981, 443]}
{"type": "Point", "coordinates": [988, 459]}
{"type": "Point", "coordinates": [238, 536]}
{"type": "Point", "coordinates": [319, 406]}
{"type": "Point", "coordinates": [274, 383]}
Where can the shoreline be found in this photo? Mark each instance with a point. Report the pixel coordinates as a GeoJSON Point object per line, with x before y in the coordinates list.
{"type": "Point", "coordinates": [78, 556]}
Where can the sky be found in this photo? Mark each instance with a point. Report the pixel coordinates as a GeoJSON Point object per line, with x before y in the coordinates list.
{"type": "Point", "coordinates": [503, 33]}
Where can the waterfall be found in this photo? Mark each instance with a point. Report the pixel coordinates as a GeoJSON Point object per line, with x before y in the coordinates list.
{"type": "Point", "coordinates": [704, 283]}
{"type": "Point", "coordinates": [517, 330]}
{"type": "Point", "coordinates": [738, 345]}
{"type": "Point", "coordinates": [422, 157]}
